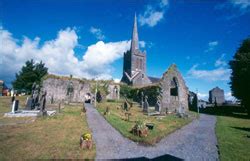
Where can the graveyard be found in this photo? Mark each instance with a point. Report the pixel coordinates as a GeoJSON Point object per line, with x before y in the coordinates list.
{"type": "Point", "coordinates": [125, 80]}
{"type": "Point", "coordinates": [162, 125]}
{"type": "Point", "coordinates": [43, 137]}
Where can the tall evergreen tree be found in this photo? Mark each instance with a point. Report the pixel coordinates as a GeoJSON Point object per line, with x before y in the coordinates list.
{"type": "Point", "coordinates": [240, 77]}
{"type": "Point", "coordinates": [29, 74]}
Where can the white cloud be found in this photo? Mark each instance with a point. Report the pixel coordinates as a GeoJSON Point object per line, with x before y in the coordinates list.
{"type": "Point", "coordinates": [218, 74]}
{"type": "Point", "coordinates": [59, 55]}
{"type": "Point", "coordinates": [142, 44]}
{"type": "Point", "coordinates": [117, 80]}
{"type": "Point", "coordinates": [235, 8]}
{"type": "Point", "coordinates": [203, 96]}
{"type": "Point", "coordinates": [242, 4]}
{"type": "Point", "coordinates": [228, 96]}
{"type": "Point", "coordinates": [153, 15]}
{"type": "Point", "coordinates": [164, 3]}
{"type": "Point", "coordinates": [97, 32]}
{"type": "Point", "coordinates": [220, 61]}
{"type": "Point", "coordinates": [211, 46]}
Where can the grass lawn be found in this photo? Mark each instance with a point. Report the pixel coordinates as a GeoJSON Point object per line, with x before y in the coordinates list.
{"type": "Point", "coordinates": [54, 137]}
{"type": "Point", "coordinates": [163, 126]}
{"type": "Point", "coordinates": [232, 129]}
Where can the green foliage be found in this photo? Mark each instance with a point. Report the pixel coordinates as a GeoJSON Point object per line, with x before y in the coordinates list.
{"type": "Point", "coordinates": [194, 102]}
{"type": "Point", "coordinates": [135, 93]}
{"type": "Point", "coordinates": [126, 91]}
{"type": "Point", "coordinates": [29, 74]}
{"type": "Point", "coordinates": [240, 76]}
{"type": "Point", "coordinates": [98, 96]}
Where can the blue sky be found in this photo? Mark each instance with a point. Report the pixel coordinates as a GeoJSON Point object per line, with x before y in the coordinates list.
{"type": "Point", "coordinates": [88, 38]}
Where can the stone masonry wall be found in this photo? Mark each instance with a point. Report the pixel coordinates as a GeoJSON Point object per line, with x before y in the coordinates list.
{"type": "Point", "coordinates": [57, 89]}
{"type": "Point", "coordinates": [173, 103]}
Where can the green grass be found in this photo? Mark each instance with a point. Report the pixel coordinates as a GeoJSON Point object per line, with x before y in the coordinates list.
{"type": "Point", "coordinates": [232, 129]}
{"type": "Point", "coordinates": [54, 137]}
{"type": "Point", "coordinates": [162, 126]}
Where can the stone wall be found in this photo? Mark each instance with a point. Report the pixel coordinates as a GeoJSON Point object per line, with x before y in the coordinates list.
{"type": "Point", "coordinates": [174, 92]}
{"type": "Point", "coordinates": [56, 88]}
{"type": "Point", "coordinates": [113, 91]}
{"type": "Point", "coordinates": [216, 95]}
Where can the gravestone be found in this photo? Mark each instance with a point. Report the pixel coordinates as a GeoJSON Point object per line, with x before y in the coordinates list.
{"type": "Point", "coordinates": [15, 106]}
{"type": "Point", "coordinates": [142, 102]}
{"type": "Point", "coordinates": [42, 101]}
{"type": "Point", "coordinates": [35, 97]}
{"type": "Point", "coordinates": [181, 112]}
{"type": "Point", "coordinates": [146, 105]}
{"type": "Point", "coordinates": [29, 103]}
{"type": "Point", "coordinates": [158, 104]}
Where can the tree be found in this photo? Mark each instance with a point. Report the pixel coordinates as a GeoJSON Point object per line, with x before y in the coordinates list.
{"type": "Point", "coordinates": [240, 76]}
{"type": "Point", "coordinates": [194, 102]}
{"type": "Point", "coordinates": [29, 74]}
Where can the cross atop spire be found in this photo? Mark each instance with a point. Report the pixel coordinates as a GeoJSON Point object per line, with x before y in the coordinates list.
{"type": "Point", "coordinates": [135, 39]}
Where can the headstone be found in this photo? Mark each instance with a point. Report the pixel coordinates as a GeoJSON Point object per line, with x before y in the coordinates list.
{"type": "Point", "coordinates": [181, 112]}
{"type": "Point", "coordinates": [42, 101]}
{"type": "Point", "coordinates": [158, 104]}
{"type": "Point", "coordinates": [15, 106]}
{"type": "Point", "coordinates": [142, 102]}
{"type": "Point", "coordinates": [35, 97]}
{"type": "Point", "coordinates": [146, 105]}
{"type": "Point", "coordinates": [29, 103]}
{"type": "Point", "coordinates": [125, 106]}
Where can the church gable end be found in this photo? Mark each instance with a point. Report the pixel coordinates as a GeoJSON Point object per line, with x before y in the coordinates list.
{"type": "Point", "coordinates": [174, 91]}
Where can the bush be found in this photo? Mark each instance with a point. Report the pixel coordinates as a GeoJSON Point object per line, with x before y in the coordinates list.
{"type": "Point", "coordinates": [135, 93]}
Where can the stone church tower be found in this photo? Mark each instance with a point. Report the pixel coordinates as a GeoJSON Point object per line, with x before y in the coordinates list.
{"type": "Point", "coordinates": [134, 62]}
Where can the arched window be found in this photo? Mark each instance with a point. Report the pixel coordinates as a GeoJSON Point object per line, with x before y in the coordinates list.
{"type": "Point", "coordinates": [174, 87]}
{"type": "Point", "coordinates": [141, 64]}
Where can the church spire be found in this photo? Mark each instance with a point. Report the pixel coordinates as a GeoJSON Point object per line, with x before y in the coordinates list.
{"type": "Point", "coordinates": [135, 39]}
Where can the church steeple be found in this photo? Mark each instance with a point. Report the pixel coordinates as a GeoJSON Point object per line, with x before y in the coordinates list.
{"type": "Point", "coordinates": [135, 39]}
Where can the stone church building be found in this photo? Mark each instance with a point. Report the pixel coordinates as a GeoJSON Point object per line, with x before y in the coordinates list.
{"type": "Point", "coordinates": [174, 92]}
{"type": "Point", "coordinates": [216, 95]}
{"type": "Point", "coordinates": [134, 63]}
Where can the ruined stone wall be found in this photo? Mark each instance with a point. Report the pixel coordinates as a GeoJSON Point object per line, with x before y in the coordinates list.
{"type": "Point", "coordinates": [173, 103]}
{"type": "Point", "coordinates": [57, 89]}
{"type": "Point", "coordinates": [113, 91]}
{"type": "Point", "coordinates": [216, 94]}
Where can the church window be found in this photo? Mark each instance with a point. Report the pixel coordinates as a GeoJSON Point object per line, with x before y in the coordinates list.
{"type": "Point", "coordinates": [174, 87]}
{"type": "Point", "coordinates": [140, 63]}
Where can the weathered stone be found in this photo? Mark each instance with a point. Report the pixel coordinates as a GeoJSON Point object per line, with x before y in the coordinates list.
{"type": "Point", "coordinates": [28, 103]}
{"type": "Point", "coordinates": [56, 87]}
{"type": "Point", "coordinates": [134, 62]}
{"type": "Point", "coordinates": [15, 106]}
{"type": "Point", "coordinates": [114, 91]}
{"type": "Point", "coordinates": [145, 104]}
{"type": "Point", "coordinates": [216, 95]}
{"type": "Point", "coordinates": [174, 92]}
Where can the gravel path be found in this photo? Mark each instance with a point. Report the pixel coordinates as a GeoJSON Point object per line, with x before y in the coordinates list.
{"type": "Point", "coordinates": [195, 141]}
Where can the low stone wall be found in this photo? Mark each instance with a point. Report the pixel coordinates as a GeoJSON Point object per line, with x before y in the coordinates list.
{"type": "Point", "coordinates": [56, 88]}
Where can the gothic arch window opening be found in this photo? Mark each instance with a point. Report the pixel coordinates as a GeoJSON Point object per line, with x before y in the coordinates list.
{"type": "Point", "coordinates": [174, 87]}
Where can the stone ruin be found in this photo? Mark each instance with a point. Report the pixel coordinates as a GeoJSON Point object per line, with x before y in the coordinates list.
{"type": "Point", "coordinates": [114, 91]}
{"type": "Point", "coordinates": [35, 105]}
{"type": "Point", "coordinates": [60, 89]}
{"type": "Point", "coordinates": [174, 92]}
